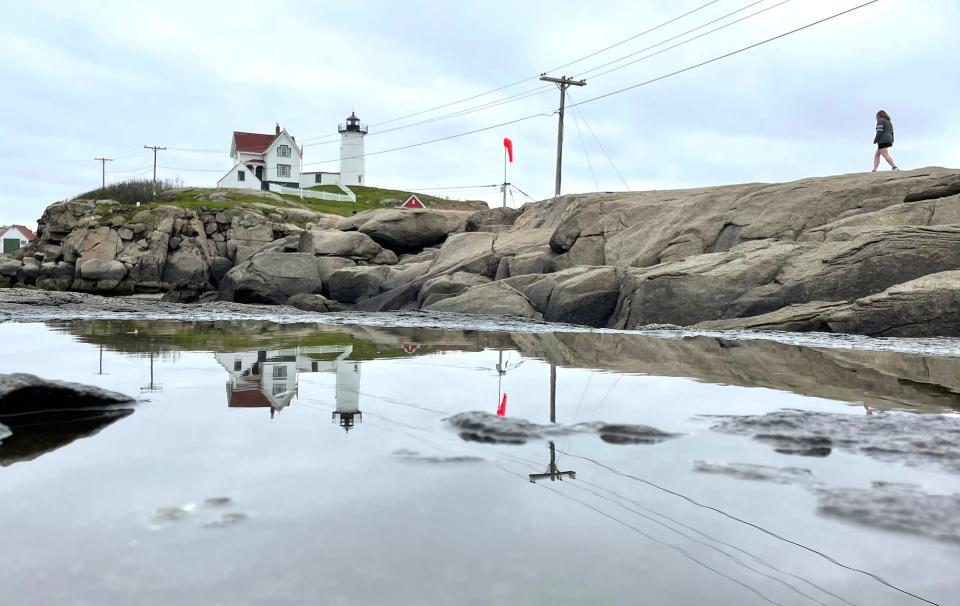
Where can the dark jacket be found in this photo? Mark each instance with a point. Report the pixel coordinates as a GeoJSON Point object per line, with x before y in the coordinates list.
{"type": "Point", "coordinates": [884, 132]}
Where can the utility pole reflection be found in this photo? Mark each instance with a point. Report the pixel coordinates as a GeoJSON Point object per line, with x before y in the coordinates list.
{"type": "Point", "coordinates": [553, 472]}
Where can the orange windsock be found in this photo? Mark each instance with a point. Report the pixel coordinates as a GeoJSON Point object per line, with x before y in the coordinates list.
{"type": "Point", "coordinates": [502, 409]}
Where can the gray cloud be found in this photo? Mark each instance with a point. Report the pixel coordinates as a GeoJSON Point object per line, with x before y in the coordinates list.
{"type": "Point", "coordinates": [84, 80]}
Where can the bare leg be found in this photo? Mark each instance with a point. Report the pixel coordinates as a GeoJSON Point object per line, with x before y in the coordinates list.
{"type": "Point", "coordinates": [886, 156]}
{"type": "Point", "coordinates": [876, 160]}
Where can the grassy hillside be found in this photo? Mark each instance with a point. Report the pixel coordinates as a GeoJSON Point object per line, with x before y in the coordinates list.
{"type": "Point", "coordinates": [370, 197]}
{"type": "Point", "coordinates": [130, 192]}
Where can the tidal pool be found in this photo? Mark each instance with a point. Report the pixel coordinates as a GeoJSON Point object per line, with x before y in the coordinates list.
{"type": "Point", "coordinates": [277, 464]}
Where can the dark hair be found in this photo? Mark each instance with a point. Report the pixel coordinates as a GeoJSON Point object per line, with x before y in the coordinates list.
{"type": "Point", "coordinates": [883, 114]}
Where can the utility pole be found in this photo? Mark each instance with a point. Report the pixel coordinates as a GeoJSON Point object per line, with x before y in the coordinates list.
{"type": "Point", "coordinates": [155, 148]}
{"type": "Point", "coordinates": [103, 170]}
{"type": "Point", "coordinates": [562, 83]}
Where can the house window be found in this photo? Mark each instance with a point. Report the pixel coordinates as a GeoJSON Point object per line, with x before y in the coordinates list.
{"type": "Point", "coordinates": [279, 372]}
{"type": "Point", "coordinates": [283, 151]}
{"type": "Point", "coordinates": [237, 365]}
{"type": "Point", "coordinates": [318, 178]}
{"type": "Point", "coordinates": [283, 170]}
{"type": "Point", "coordinates": [359, 179]}
{"type": "Point", "coordinates": [279, 388]}
{"type": "Point", "coordinates": [241, 176]}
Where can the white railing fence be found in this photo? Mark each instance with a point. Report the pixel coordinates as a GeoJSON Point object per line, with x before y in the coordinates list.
{"type": "Point", "coordinates": [318, 195]}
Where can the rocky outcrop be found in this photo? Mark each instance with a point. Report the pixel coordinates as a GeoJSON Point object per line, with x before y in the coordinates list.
{"type": "Point", "coordinates": [925, 307]}
{"type": "Point", "coordinates": [495, 298]}
{"type": "Point", "coordinates": [28, 394]}
{"type": "Point", "coordinates": [272, 277]}
{"type": "Point", "coordinates": [405, 230]}
{"type": "Point", "coordinates": [815, 254]}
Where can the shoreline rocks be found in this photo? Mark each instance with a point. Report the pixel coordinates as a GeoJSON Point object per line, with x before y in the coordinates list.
{"type": "Point", "coordinates": [867, 253]}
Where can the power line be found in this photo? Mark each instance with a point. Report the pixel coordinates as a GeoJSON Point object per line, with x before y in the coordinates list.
{"type": "Point", "coordinates": [521, 81]}
{"type": "Point", "coordinates": [437, 140]}
{"type": "Point", "coordinates": [586, 154]}
{"type": "Point", "coordinates": [517, 97]}
{"type": "Point", "coordinates": [578, 111]}
{"type": "Point", "coordinates": [724, 56]}
{"type": "Point", "coordinates": [615, 92]}
{"type": "Point", "coordinates": [452, 188]}
{"type": "Point", "coordinates": [729, 556]}
{"type": "Point", "coordinates": [196, 170]}
{"type": "Point", "coordinates": [542, 89]}
{"type": "Point", "coordinates": [750, 524]}
{"type": "Point", "coordinates": [672, 38]}
{"type": "Point", "coordinates": [198, 151]}
{"type": "Point", "coordinates": [129, 170]}
{"type": "Point", "coordinates": [522, 192]}
{"type": "Point", "coordinates": [634, 37]}
{"type": "Point", "coordinates": [669, 48]}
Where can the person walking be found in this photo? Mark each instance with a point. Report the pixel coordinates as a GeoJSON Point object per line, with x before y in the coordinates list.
{"type": "Point", "coordinates": [884, 141]}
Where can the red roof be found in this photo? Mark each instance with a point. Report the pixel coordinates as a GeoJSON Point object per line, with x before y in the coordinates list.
{"type": "Point", "coordinates": [28, 234]}
{"type": "Point", "coordinates": [255, 162]}
{"type": "Point", "coordinates": [252, 142]}
{"type": "Point", "coordinates": [248, 398]}
{"type": "Point", "coordinates": [413, 202]}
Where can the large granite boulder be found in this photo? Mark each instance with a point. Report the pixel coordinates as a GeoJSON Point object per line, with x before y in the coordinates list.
{"type": "Point", "coordinates": [353, 284]}
{"type": "Point", "coordinates": [55, 276]}
{"type": "Point", "coordinates": [100, 243]}
{"type": "Point", "coordinates": [492, 219]}
{"type": "Point", "coordinates": [317, 303]}
{"type": "Point", "coordinates": [446, 286]}
{"type": "Point", "coordinates": [703, 287]}
{"type": "Point", "coordinates": [334, 243]}
{"type": "Point", "coordinates": [186, 265]}
{"type": "Point", "coordinates": [22, 393]}
{"type": "Point", "coordinates": [271, 278]}
{"type": "Point", "coordinates": [926, 307]}
{"type": "Point", "coordinates": [99, 275]}
{"type": "Point", "coordinates": [495, 298]}
{"type": "Point", "coordinates": [404, 230]}
{"type": "Point", "coordinates": [248, 233]}
{"type": "Point", "coordinates": [580, 295]}
{"type": "Point", "coordinates": [483, 252]}
{"type": "Point", "coordinates": [9, 269]}
{"type": "Point", "coordinates": [642, 229]}
{"type": "Point", "coordinates": [759, 277]}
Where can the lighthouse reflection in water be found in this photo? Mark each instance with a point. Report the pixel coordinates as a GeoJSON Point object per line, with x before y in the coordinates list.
{"type": "Point", "coordinates": [268, 379]}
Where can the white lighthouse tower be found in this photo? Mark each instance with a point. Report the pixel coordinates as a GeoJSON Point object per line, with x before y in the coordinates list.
{"type": "Point", "coordinates": [351, 151]}
{"type": "Point", "coordinates": [348, 394]}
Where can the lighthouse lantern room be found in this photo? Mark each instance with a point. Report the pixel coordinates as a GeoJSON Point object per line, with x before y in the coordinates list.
{"type": "Point", "coordinates": [351, 151]}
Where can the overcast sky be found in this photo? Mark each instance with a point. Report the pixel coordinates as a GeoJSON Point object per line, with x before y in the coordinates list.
{"type": "Point", "coordinates": [86, 79]}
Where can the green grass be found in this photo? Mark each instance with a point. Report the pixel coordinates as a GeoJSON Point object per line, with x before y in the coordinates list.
{"type": "Point", "coordinates": [198, 198]}
{"type": "Point", "coordinates": [370, 197]}
{"type": "Point", "coordinates": [166, 336]}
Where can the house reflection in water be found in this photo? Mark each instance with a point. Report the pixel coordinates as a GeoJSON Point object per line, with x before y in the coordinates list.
{"type": "Point", "coordinates": [268, 379]}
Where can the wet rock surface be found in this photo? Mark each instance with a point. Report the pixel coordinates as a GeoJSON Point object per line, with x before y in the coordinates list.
{"type": "Point", "coordinates": [22, 393]}
{"type": "Point", "coordinates": [38, 416]}
{"type": "Point", "coordinates": [413, 456]}
{"type": "Point", "coordinates": [889, 506]}
{"type": "Point", "coordinates": [477, 426]}
{"type": "Point", "coordinates": [898, 438]}
{"type": "Point", "coordinates": [897, 507]}
{"type": "Point", "coordinates": [759, 473]}
{"type": "Point", "coordinates": [860, 253]}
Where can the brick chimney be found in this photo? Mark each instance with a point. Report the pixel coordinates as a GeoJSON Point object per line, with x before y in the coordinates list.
{"type": "Point", "coordinates": [278, 128]}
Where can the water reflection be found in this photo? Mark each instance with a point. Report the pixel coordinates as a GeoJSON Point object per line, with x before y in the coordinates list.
{"type": "Point", "coordinates": [653, 493]}
{"type": "Point", "coordinates": [879, 379]}
{"type": "Point", "coordinates": [34, 435]}
{"type": "Point", "coordinates": [270, 378]}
